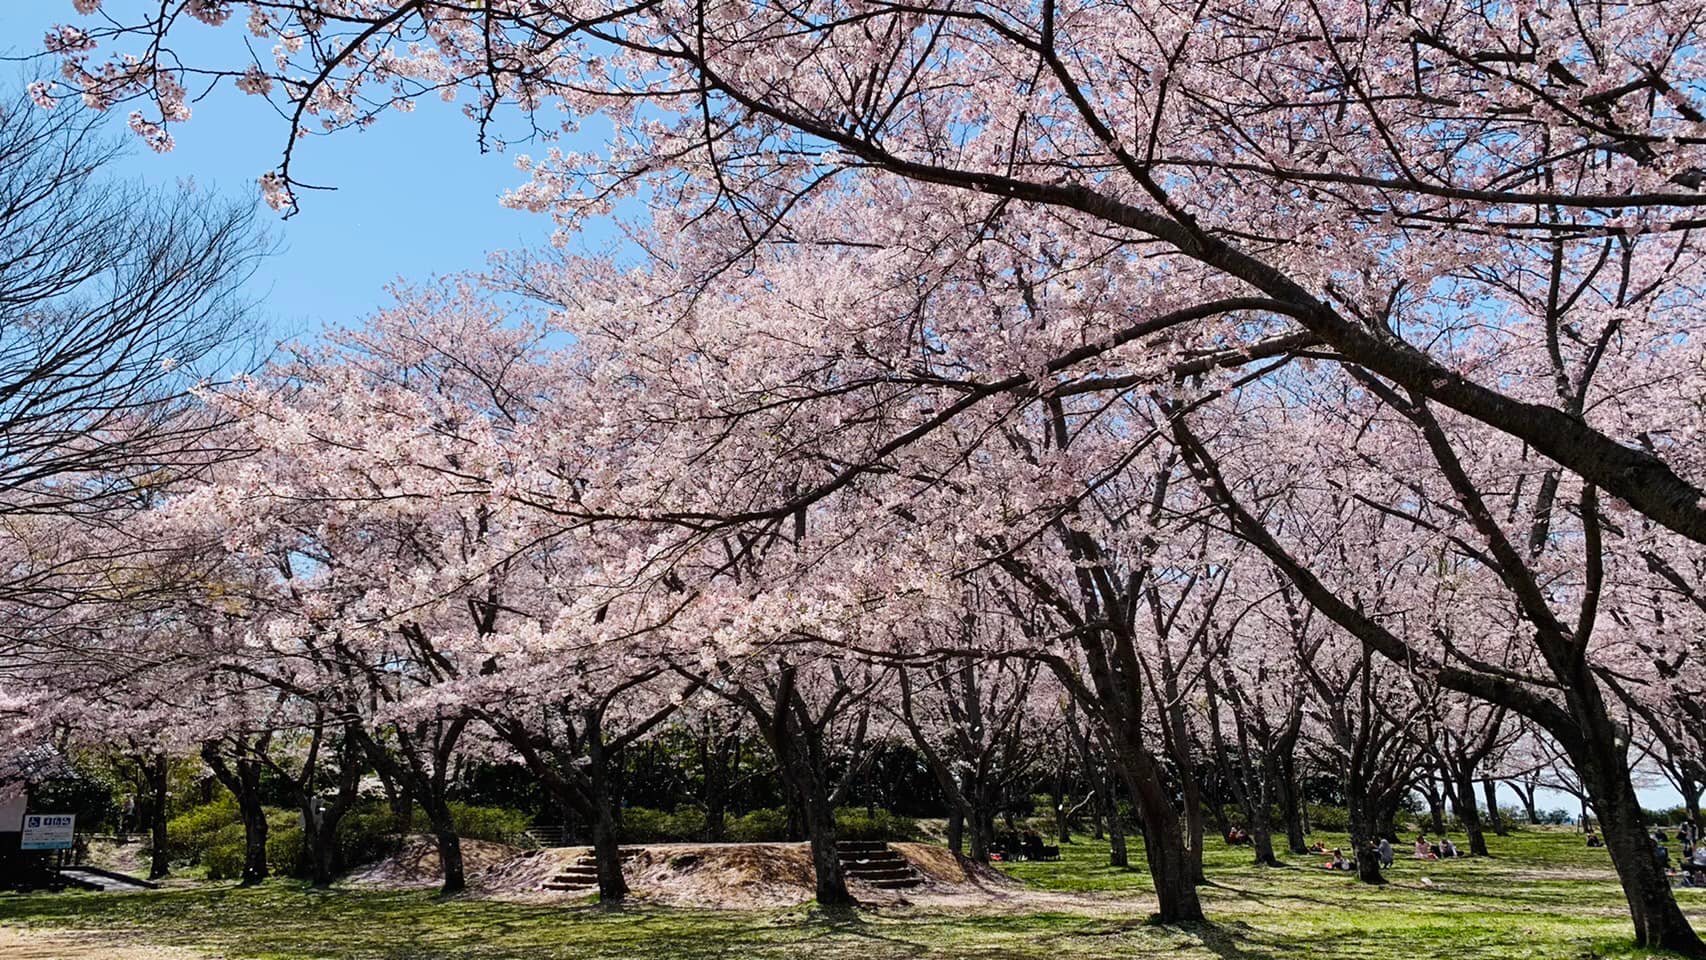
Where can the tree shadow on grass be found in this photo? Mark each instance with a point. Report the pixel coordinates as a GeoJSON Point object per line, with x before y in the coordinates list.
{"type": "Point", "coordinates": [831, 923]}
{"type": "Point", "coordinates": [1229, 941]}
{"type": "Point", "coordinates": [1259, 899]}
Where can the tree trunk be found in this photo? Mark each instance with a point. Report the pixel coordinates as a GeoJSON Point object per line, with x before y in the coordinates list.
{"type": "Point", "coordinates": [1386, 824]}
{"type": "Point", "coordinates": [831, 882]}
{"type": "Point", "coordinates": [979, 815]}
{"type": "Point", "coordinates": [956, 831]}
{"type": "Point", "coordinates": [607, 852]}
{"type": "Point", "coordinates": [242, 776]}
{"type": "Point", "coordinates": [1527, 795]}
{"type": "Point", "coordinates": [449, 846]}
{"type": "Point", "coordinates": [254, 837]}
{"type": "Point", "coordinates": [320, 831]}
{"type": "Point", "coordinates": [1216, 809]}
{"type": "Point", "coordinates": [604, 783]}
{"type": "Point", "coordinates": [1170, 870]}
{"type": "Point", "coordinates": [1261, 834]}
{"type": "Point", "coordinates": [1430, 791]}
{"type": "Point", "coordinates": [1659, 924]}
{"type": "Point", "coordinates": [716, 824]}
{"type": "Point", "coordinates": [1262, 839]}
{"type": "Point", "coordinates": [1691, 804]}
{"type": "Point", "coordinates": [802, 766]}
{"type": "Point", "coordinates": [1193, 829]}
{"type": "Point", "coordinates": [1490, 790]}
{"type": "Point", "coordinates": [1170, 861]}
{"type": "Point", "coordinates": [1291, 804]}
{"type": "Point", "coordinates": [157, 773]}
{"type": "Point", "coordinates": [795, 828]}
{"type": "Point", "coordinates": [982, 822]}
{"type": "Point", "coordinates": [1108, 803]}
{"type": "Point", "coordinates": [1062, 833]}
{"type": "Point", "coordinates": [1363, 831]}
{"type": "Point", "coordinates": [1463, 801]}
{"type": "Point", "coordinates": [716, 792]}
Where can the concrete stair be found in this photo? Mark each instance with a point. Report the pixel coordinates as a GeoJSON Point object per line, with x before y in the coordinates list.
{"type": "Point", "coordinates": [872, 862]}
{"type": "Point", "coordinates": [582, 875]}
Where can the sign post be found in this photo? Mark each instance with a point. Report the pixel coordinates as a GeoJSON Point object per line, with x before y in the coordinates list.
{"type": "Point", "coordinates": [49, 831]}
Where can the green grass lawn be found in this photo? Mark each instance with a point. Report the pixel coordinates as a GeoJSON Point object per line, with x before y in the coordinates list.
{"type": "Point", "coordinates": [1543, 895]}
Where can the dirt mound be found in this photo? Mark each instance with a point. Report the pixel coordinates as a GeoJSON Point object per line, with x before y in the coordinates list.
{"type": "Point", "coordinates": [416, 864]}
{"type": "Point", "coordinates": [941, 865]}
{"type": "Point", "coordinates": [34, 944]}
{"type": "Point", "coordinates": [732, 876]}
{"type": "Point", "coordinates": [723, 876]}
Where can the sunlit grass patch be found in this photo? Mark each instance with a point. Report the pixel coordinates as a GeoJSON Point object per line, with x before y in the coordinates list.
{"type": "Point", "coordinates": [1543, 896]}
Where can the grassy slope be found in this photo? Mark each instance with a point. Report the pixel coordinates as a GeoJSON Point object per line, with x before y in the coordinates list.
{"type": "Point", "coordinates": [1543, 896]}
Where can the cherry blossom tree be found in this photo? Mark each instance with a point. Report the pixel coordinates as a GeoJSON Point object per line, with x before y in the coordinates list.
{"type": "Point", "coordinates": [1256, 697]}
{"type": "Point", "coordinates": [1521, 627]}
{"type": "Point", "coordinates": [978, 724]}
{"type": "Point", "coordinates": [1300, 155]}
{"type": "Point", "coordinates": [1465, 735]}
{"type": "Point", "coordinates": [1406, 288]}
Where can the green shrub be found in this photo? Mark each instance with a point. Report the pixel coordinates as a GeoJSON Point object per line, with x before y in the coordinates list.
{"type": "Point", "coordinates": [286, 856]}
{"type": "Point", "coordinates": [1329, 819]}
{"type": "Point", "coordinates": [212, 835]}
{"type": "Point", "coordinates": [759, 826]}
{"type": "Point", "coordinates": [224, 861]}
{"type": "Point", "coordinates": [191, 833]}
{"type": "Point", "coordinates": [854, 823]}
{"type": "Point", "coordinates": [643, 824]}
{"type": "Point", "coordinates": [1668, 817]}
{"type": "Point", "coordinates": [499, 824]}
{"type": "Point", "coordinates": [366, 834]}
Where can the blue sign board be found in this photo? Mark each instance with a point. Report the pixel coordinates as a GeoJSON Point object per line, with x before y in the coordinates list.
{"type": "Point", "coordinates": [49, 831]}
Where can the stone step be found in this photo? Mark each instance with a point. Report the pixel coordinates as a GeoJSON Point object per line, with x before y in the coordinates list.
{"type": "Point", "coordinates": [577, 873]}
{"type": "Point", "coordinates": [568, 887]}
{"type": "Point", "coordinates": [896, 884]}
{"type": "Point", "coordinates": [888, 873]}
{"type": "Point", "coordinates": [590, 861]}
{"type": "Point", "coordinates": [876, 856]}
{"type": "Point", "coordinates": [860, 845]}
{"type": "Point", "coordinates": [867, 866]}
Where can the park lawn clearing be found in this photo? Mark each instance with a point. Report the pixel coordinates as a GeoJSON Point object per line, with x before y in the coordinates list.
{"type": "Point", "coordinates": [1543, 896]}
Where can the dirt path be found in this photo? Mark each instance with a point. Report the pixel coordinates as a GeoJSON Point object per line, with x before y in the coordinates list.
{"type": "Point", "coordinates": [26, 944]}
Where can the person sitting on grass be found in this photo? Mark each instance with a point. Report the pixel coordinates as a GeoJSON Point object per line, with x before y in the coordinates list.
{"type": "Point", "coordinates": [1033, 843]}
{"type": "Point", "coordinates": [1593, 839]}
{"type": "Point", "coordinates": [1694, 868]}
{"type": "Point", "coordinates": [1339, 862]}
{"type": "Point", "coordinates": [1423, 850]}
{"type": "Point", "coordinates": [1383, 850]}
{"type": "Point", "coordinates": [1447, 849]}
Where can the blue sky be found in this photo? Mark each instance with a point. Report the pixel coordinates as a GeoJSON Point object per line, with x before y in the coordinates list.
{"type": "Point", "coordinates": [415, 196]}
